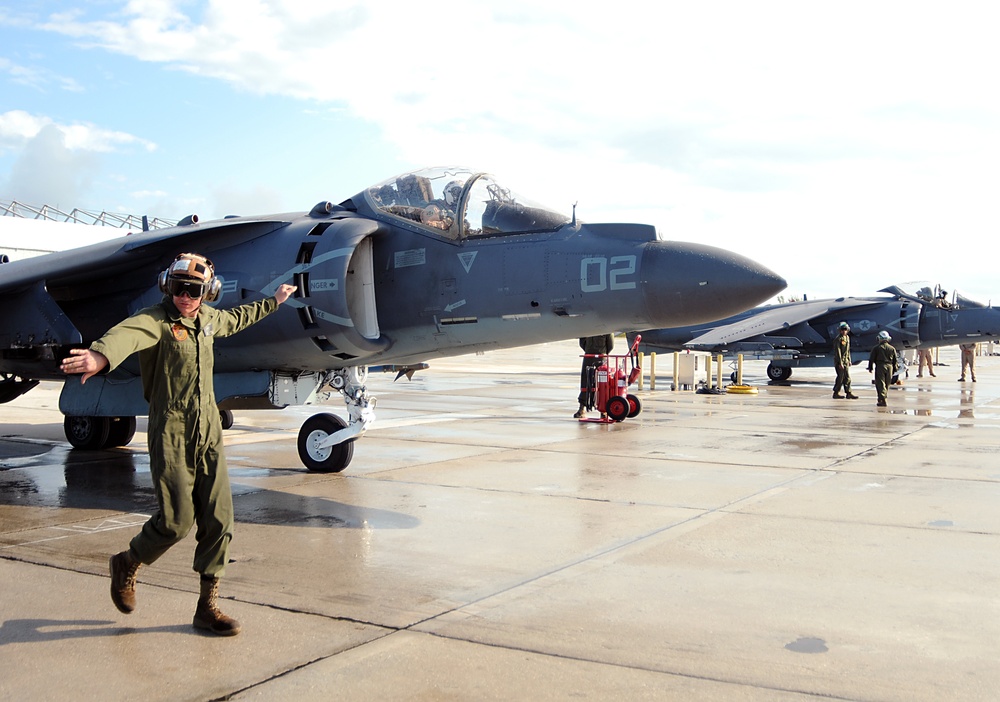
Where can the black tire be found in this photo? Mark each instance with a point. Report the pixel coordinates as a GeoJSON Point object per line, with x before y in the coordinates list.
{"type": "Point", "coordinates": [617, 408]}
{"type": "Point", "coordinates": [635, 406]}
{"type": "Point", "coordinates": [87, 433]}
{"type": "Point", "coordinates": [227, 418]}
{"type": "Point", "coordinates": [120, 431]}
{"type": "Point", "coordinates": [326, 460]}
{"type": "Point", "coordinates": [778, 373]}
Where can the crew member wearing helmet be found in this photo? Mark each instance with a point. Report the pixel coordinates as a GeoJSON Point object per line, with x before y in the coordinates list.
{"type": "Point", "coordinates": [452, 193]}
{"type": "Point", "coordinates": [175, 342]}
{"type": "Point", "coordinates": [842, 363]}
{"type": "Point", "coordinates": [883, 360]}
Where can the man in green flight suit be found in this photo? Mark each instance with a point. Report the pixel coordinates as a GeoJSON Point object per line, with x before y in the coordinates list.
{"type": "Point", "coordinates": [842, 363]}
{"type": "Point", "coordinates": [883, 358]}
{"type": "Point", "coordinates": [175, 342]}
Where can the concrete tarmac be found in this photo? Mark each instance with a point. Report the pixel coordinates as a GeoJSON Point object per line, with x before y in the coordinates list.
{"type": "Point", "coordinates": [485, 545]}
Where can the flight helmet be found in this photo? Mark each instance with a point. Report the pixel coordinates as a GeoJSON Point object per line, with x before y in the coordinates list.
{"type": "Point", "coordinates": [845, 325]}
{"type": "Point", "coordinates": [452, 192]}
{"type": "Point", "coordinates": [191, 273]}
{"type": "Point", "coordinates": [884, 336]}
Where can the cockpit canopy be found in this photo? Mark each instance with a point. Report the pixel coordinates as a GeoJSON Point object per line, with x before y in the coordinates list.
{"type": "Point", "coordinates": [933, 294]}
{"type": "Point", "coordinates": [459, 203]}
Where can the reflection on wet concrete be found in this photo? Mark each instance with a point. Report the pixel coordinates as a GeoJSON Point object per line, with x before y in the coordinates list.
{"type": "Point", "coordinates": [287, 509]}
{"type": "Point", "coordinates": [61, 477]}
{"type": "Point", "coordinates": [119, 480]}
{"type": "Point", "coordinates": [461, 542]}
{"type": "Point", "coordinates": [15, 453]}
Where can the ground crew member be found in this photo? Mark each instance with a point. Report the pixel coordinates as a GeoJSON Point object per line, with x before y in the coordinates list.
{"type": "Point", "coordinates": [968, 360]}
{"type": "Point", "coordinates": [598, 346]}
{"type": "Point", "coordinates": [883, 359]}
{"type": "Point", "coordinates": [175, 340]}
{"type": "Point", "coordinates": [925, 358]}
{"type": "Point", "coordinates": [842, 363]}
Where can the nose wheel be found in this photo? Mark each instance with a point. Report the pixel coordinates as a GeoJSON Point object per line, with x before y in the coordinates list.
{"type": "Point", "coordinates": [313, 452]}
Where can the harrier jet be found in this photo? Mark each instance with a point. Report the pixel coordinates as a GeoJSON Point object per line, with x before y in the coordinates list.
{"type": "Point", "coordinates": [801, 334]}
{"type": "Point", "coordinates": [434, 263]}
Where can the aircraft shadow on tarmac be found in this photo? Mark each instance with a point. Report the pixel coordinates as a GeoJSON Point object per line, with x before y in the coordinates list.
{"type": "Point", "coordinates": [119, 480]}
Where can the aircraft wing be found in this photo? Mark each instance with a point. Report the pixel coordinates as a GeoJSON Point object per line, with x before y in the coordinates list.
{"type": "Point", "coordinates": [68, 297]}
{"type": "Point", "coordinates": [758, 329]}
{"type": "Point", "coordinates": [102, 260]}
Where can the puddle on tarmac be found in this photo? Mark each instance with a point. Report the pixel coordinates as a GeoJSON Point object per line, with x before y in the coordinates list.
{"type": "Point", "coordinates": [805, 445]}
{"type": "Point", "coordinates": [807, 644]}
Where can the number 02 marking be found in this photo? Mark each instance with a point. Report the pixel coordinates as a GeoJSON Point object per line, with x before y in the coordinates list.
{"type": "Point", "coordinates": [598, 273]}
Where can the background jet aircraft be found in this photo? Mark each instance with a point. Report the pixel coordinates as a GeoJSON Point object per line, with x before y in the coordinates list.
{"type": "Point", "coordinates": [800, 334]}
{"type": "Point", "coordinates": [428, 264]}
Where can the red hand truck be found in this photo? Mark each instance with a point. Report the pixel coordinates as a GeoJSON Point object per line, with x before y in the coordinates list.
{"type": "Point", "coordinates": [608, 384]}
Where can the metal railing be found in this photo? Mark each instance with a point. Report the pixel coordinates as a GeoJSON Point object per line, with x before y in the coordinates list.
{"type": "Point", "coordinates": [13, 208]}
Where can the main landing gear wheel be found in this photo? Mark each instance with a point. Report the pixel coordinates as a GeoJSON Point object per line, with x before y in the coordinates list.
{"type": "Point", "coordinates": [92, 433]}
{"type": "Point", "coordinates": [120, 431]}
{"type": "Point", "coordinates": [88, 433]}
{"type": "Point", "coordinates": [778, 373]}
{"type": "Point", "coordinates": [330, 459]}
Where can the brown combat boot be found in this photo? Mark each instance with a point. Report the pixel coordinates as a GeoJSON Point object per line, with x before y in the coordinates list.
{"type": "Point", "coordinates": [123, 571]}
{"type": "Point", "coordinates": [207, 616]}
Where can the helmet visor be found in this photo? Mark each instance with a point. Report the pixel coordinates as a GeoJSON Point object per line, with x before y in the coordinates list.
{"type": "Point", "coordinates": [178, 287]}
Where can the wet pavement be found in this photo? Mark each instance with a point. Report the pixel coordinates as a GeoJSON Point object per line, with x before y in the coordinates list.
{"type": "Point", "coordinates": [484, 545]}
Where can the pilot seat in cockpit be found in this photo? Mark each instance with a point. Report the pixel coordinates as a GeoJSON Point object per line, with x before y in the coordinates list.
{"type": "Point", "coordinates": [413, 190]}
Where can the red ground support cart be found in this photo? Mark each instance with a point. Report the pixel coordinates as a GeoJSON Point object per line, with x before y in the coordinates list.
{"type": "Point", "coordinates": [607, 387]}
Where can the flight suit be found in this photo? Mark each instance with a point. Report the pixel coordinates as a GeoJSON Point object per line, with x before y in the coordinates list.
{"type": "Point", "coordinates": [176, 357]}
{"type": "Point", "coordinates": [842, 363]}
{"type": "Point", "coordinates": [968, 360]}
{"type": "Point", "coordinates": [883, 358]}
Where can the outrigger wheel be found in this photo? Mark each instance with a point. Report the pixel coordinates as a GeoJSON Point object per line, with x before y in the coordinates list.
{"type": "Point", "coordinates": [778, 373]}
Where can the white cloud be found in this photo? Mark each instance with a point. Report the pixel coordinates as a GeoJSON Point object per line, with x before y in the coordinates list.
{"type": "Point", "coordinates": [47, 172]}
{"type": "Point", "coordinates": [576, 73]}
{"type": "Point", "coordinates": [18, 127]}
{"type": "Point", "coordinates": [767, 126]}
{"type": "Point", "coordinates": [38, 78]}
{"type": "Point", "coordinates": [55, 164]}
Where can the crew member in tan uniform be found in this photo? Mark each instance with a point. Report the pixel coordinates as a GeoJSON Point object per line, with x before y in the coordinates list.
{"type": "Point", "coordinates": [842, 363]}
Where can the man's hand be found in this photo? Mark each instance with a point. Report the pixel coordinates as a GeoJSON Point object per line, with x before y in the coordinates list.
{"type": "Point", "coordinates": [85, 361]}
{"type": "Point", "coordinates": [284, 292]}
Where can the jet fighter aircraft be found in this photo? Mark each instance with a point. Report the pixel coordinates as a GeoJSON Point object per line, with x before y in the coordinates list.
{"type": "Point", "coordinates": [434, 263]}
{"type": "Point", "coordinates": [801, 334]}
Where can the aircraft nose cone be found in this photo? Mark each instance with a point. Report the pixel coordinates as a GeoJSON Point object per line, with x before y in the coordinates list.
{"type": "Point", "coordinates": [686, 283]}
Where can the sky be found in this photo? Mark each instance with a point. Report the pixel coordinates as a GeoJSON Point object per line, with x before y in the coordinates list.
{"type": "Point", "coordinates": [846, 146]}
